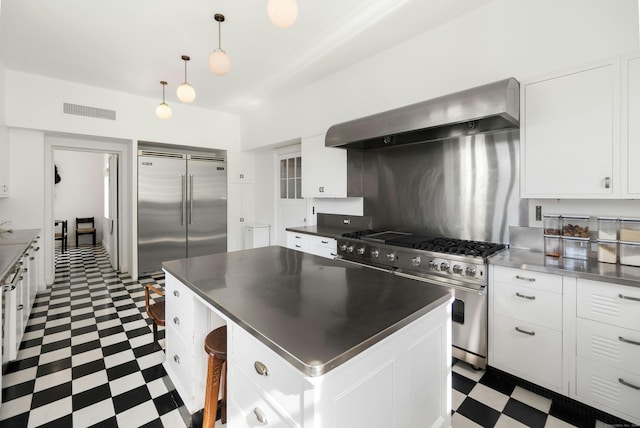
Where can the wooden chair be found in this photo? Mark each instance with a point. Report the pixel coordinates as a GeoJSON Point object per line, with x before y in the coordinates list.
{"type": "Point", "coordinates": [62, 235]}
{"type": "Point", "coordinates": [215, 345]}
{"type": "Point", "coordinates": [155, 311]}
{"type": "Point", "coordinates": [85, 230]}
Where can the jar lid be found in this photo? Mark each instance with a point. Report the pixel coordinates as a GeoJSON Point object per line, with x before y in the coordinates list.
{"type": "Point", "coordinates": [552, 215]}
{"type": "Point", "coordinates": [580, 217]}
{"type": "Point", "coordinates": [575, 238]}
{"type": "Point", "coordinates": [634, 244]}
{"type": "Point", "coordinates": [607, 241]}
{"type": "Point", "coordinates": [608, 218]}
{"type": "Point", "coordinates": [630, 219]}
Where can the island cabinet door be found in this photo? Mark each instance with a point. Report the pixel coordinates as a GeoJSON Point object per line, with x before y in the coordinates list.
{"type": "Point", "coordinates": [401, 382]}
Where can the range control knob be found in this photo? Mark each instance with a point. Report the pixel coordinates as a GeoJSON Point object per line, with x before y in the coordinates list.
{"type": "Point", "coordinates": [350, 249]}
{"type": "Point", "coordinates": [444, 267]}
{"type": "Point", "coordinates": [415, 261]}
{"type": "Point", "coordinates": [471, 271]}
{"type": "Point", "coordinates": [343, 247]}
{"type": "Point", "coordinates": [361, 250]}
{"type": "Point", "coordinates": [375, 254]}
{"type": "Point", "coordinates": [391, 256]}
{"type": "Point", "coordinates": [433, 265]}
{"type": "Point", "coordinates": [457, 269]}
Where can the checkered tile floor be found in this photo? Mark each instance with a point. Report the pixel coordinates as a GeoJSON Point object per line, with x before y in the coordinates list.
{"type": "Point", "coordinates": [87, 359]}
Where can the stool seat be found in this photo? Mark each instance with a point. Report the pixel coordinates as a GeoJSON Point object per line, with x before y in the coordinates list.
{"type": "Point", "coordinates": [215, 345]}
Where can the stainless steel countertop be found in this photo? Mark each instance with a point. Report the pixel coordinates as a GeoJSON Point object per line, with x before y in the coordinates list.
{"type": "Point", "coordinates": [21, 236]}
{"type": "Point", "coordinates": [328, 231]}
{"type": "Point", "coordinates": [587, 269]}
{"type": "Point", "coordinates": [12, 245]}
{"type": "Point", "coordinates": [315, 312]}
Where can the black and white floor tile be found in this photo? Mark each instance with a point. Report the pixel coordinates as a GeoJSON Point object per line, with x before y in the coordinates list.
{"type": "Point", "coordinates": [87, 359]}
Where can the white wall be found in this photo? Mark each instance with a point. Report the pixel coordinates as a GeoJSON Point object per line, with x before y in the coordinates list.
{"type": "Point", "coordinates": [505, 38]}
{"type": "Point", "coordinates": [80, 192]}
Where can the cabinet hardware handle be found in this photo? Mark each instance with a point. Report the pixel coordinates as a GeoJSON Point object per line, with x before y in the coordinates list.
{"type": "Point", "coordinates": [298, 246]}
{"type": "Point", "coordinates": [635, 299]}
{"type": "Point", "coordinates": [260, 416]}
{"type": "Point", "coordinates": [176, 320]}
{"type": "Point", "coordinates": [183, 213]}
{"type": "Point", "coordinates": [298, 236]}
{"type": "Point", "coordinates": [176, 293]}
{"type": "Point", "coordinates": [628, 384]}
{"type": "Point", "coordinates": [324, 242]}
{"type": "Point", "coordinates": [32, 258]}
{"type": "Point", "coordinates": [176, 358]}
{"type": "Point", "coordinates": [524, 278]}
{"type": "Point", "coordinates": [333, 254]}
{"type": "Point", "coordinates": [261, 368]}
{"type": "Point", "coordinates": [20, 307]}
{"type": "Point", "coordinates": [526, 297]}
{"type": "Point", "coordinates": [633, 342]}
{"type": "Point", "coordinates": [607, 182]}
{"type": "Point", "coordinates": [530, 333]}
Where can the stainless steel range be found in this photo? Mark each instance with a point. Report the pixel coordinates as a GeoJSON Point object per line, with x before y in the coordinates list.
{"type": "Point", "coordinates": [455, 263]}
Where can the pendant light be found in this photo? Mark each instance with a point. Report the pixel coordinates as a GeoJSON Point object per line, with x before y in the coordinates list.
{"type": "Point", "coordinates": [219, 61]}
{"type": "Point", "coordinates": [282, 13]}
{"type": "Point", "coordinates": [185, 91]}
{"type": "Point", "coordinates": [163, 111]}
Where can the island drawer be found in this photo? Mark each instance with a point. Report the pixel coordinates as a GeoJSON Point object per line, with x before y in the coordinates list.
{"type": "Point", "coordinates": [537, 280]}
{"type": "Point", "coordinates": [528, 304]}
{"type": "Point", "coordinates": [179, 307]}
{"type": "Point", "coordinates": [283, 382]}
{"type": "Point", "coordinates": [609, 303]}
{"type": "Point", "coordinates": [607, 344]}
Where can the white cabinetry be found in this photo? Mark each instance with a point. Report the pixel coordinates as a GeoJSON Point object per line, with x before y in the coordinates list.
{"type": "Point", "coordinates": [324, 169]}
{"type": "Point", "coordinates": [240, 197]}
{"type": "Point", "coordinates": [188, 321]}
{"type": "Point", "coordinates": [527, 314]}
{"type": "Point", "coordinates": [257, 235]}
{"type": "Point", "coordinates": [312, 244]}
{"type": "Point", "coordinates": [571, 134]}
{"type": "Point", "coordinates": [608, 347]}
{"type": "Point", "coordinates": [631, 125]}
{"type": "Point", "coordinates": [402, 381]}
{"type": "Point", "coordinates": [4, 162]}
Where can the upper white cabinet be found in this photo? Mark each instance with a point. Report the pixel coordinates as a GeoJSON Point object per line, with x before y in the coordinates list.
{"type": "Point", "coordinates": [4, 162]}
{"type": "Point", "coordinates": [241, 167]}
{"type": "Point", "coordinates": [631, 125]}
{"type": "Point", "coordinates": [324, 169]}
{"type": "Point", "coordinates": [571, 134]}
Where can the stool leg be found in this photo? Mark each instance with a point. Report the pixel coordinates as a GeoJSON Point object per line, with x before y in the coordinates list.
{"type": "Point", "coordinates": [214, 371]}
{"type": "Point", "coordinates": [223, 410]}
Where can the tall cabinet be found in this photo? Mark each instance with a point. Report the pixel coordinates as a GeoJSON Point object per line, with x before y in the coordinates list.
{"type": "Point", "coordinates": [241, 197]}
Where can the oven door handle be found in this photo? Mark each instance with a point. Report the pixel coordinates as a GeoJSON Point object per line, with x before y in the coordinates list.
{"type": "Point", "coordinates": [481, 292]}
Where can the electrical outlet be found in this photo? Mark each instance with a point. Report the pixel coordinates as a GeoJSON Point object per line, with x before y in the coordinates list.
{"type": "Point", "coordinates": [346, 221]}
{"type": "Point", "coordinates": [538, 213]}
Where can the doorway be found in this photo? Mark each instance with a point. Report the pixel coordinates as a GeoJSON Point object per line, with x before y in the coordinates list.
{"type": "Point", "coordinates": [291, 206]}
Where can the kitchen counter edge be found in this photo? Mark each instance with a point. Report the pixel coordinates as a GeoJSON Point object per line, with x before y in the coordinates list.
{"type": "Point", "coordinates": [586, 269]}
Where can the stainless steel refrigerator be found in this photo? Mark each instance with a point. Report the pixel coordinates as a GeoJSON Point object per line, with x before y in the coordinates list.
{"type": "Point", "coordinates": [182, 207]}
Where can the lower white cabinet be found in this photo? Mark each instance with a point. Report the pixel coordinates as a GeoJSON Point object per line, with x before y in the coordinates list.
{"type": "Point", "coordinates": [578, 337]}
{"type": "Point", "coordinates": [313, 244]}
{"type": "Point", "coordinates": [188, 321]}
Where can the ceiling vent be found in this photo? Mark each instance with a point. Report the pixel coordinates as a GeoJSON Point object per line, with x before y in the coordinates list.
{"type": "Point", "coordinates": [86, 111]}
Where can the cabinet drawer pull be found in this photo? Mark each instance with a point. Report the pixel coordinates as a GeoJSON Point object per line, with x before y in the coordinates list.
{"type": "Point", "coordinates": [176, 293]}
{"type": "Point", "coordinates": [607, 182]}
{"type": "Point", "coordinates": [20, 307]}
{"type": "Point", "coordinates": [522, 296]}
{"type": "Point", "coordinates": [530, 333]}
{"type": "Point", "coordinates": [630, 385]}
{"type": "Point", "coordinates": [633, 342]}
{"type": "Point", "coordinates": [261, 368]}
{"type": "Point", "coordinates": [298, 246]}
{"type": "Point", "coordinates": [635, 299]}
{"type": "Point", "coordinates": [176, 358]}
{"type": "Point", "coordinates": [260, 416]}
{"type": "Point", "coordinates": [524, 278]}
{"type": "Point", "coordinates": [298, 236]}
{"type": "Point", "coordinates": [176, 320]}
{"type": "Point", "coordinates": [324, 242]}
{"type": "Point", "coordinates": [333, 254]}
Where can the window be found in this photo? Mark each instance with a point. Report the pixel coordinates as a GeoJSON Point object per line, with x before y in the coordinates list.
{"type": "Point", "coordinates": [291, 177]}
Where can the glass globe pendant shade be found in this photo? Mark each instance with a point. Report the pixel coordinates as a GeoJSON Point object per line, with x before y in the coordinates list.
{"type": "Point", "coordinates": [186, 93]}
{"type": "Point", "coordinates": [163, 111]}
{"type": "Point", "coordinates": [282, 13]}
{"type": "Point", "coordinates": [219, 62]}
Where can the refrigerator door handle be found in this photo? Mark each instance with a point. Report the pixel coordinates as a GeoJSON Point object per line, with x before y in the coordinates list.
{"type": "Point", "coordinates": [184, 200]}
{"type": "Point", "coordinates": [190, 198]}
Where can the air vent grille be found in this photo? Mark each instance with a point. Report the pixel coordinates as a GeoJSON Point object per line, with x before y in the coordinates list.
{"type": "Point", "coordinates": [86, 111]}
{"type": "Point", "coordinates": [207, 158]}
{"type": "Point", "coordinates": [161, 154]}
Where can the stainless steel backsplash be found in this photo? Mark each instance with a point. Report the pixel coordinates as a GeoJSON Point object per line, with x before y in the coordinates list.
{"type": "Point", "coordinates": [465, 188]}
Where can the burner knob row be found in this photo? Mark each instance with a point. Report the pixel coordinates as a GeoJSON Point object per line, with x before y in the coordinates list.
{"type": "Point", "coordinates": [457, 269]}
{"type": "Point", "coordinates": [361, 250]}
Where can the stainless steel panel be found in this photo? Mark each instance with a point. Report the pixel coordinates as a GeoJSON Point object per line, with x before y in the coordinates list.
{"type": "Point", "coordinates": [464, 188]}
{"type": "Point", "coordinates": [486, 108]}
{"type": "Point", "coordinates": [207, 229]}
{"type": "Point", "coordinates": [161, 232]}
{"type": "Point", "coordinates": [471, 334]}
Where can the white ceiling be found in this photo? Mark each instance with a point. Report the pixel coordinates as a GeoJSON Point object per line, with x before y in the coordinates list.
{"type": "Point", "coordinates": [130, 45]}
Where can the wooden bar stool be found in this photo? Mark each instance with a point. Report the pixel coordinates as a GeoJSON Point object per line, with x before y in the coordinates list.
{"type": "Point", "coordinates": [215, 345]}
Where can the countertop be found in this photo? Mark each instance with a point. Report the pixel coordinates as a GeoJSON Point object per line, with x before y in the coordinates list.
{"type": "Point", "coordinates": [12, 245]}
{"type": "Point", "coordinates": [315, 312]}
{"type": "Point", "coordinates": [586, 269]}
{"type": "Point", "coordinates": [328, 231]}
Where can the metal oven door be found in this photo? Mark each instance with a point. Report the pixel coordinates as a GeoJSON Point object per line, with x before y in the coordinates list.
{"type": "Point", "coordinates": [469, 326]}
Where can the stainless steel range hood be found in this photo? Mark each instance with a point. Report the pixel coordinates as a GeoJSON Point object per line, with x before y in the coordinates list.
{"type": "Point", "coordinates": [487, 108]}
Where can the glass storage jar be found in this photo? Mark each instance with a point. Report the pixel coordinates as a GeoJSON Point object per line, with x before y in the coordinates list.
{"type": "Point", "coordinates": [575, 226]}
{"type": "Point", "coordinates": [552, 224]}
{"type": "Point", "coordinates": [630, 253]}
{"type": "Point", "coordinates": [608, 228]}
{"type": "Point", "coordinates": [608, 251]}
{"type": "Point", "coordinates": [576, 248]}
{"type": "Point", "coordinates": [630, 230]}
{"type": "Point", "coordinates": [552, 246]}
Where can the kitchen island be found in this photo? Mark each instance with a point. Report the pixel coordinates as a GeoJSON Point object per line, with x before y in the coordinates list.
{"type": "Point", "coordinates": [344, 345]}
